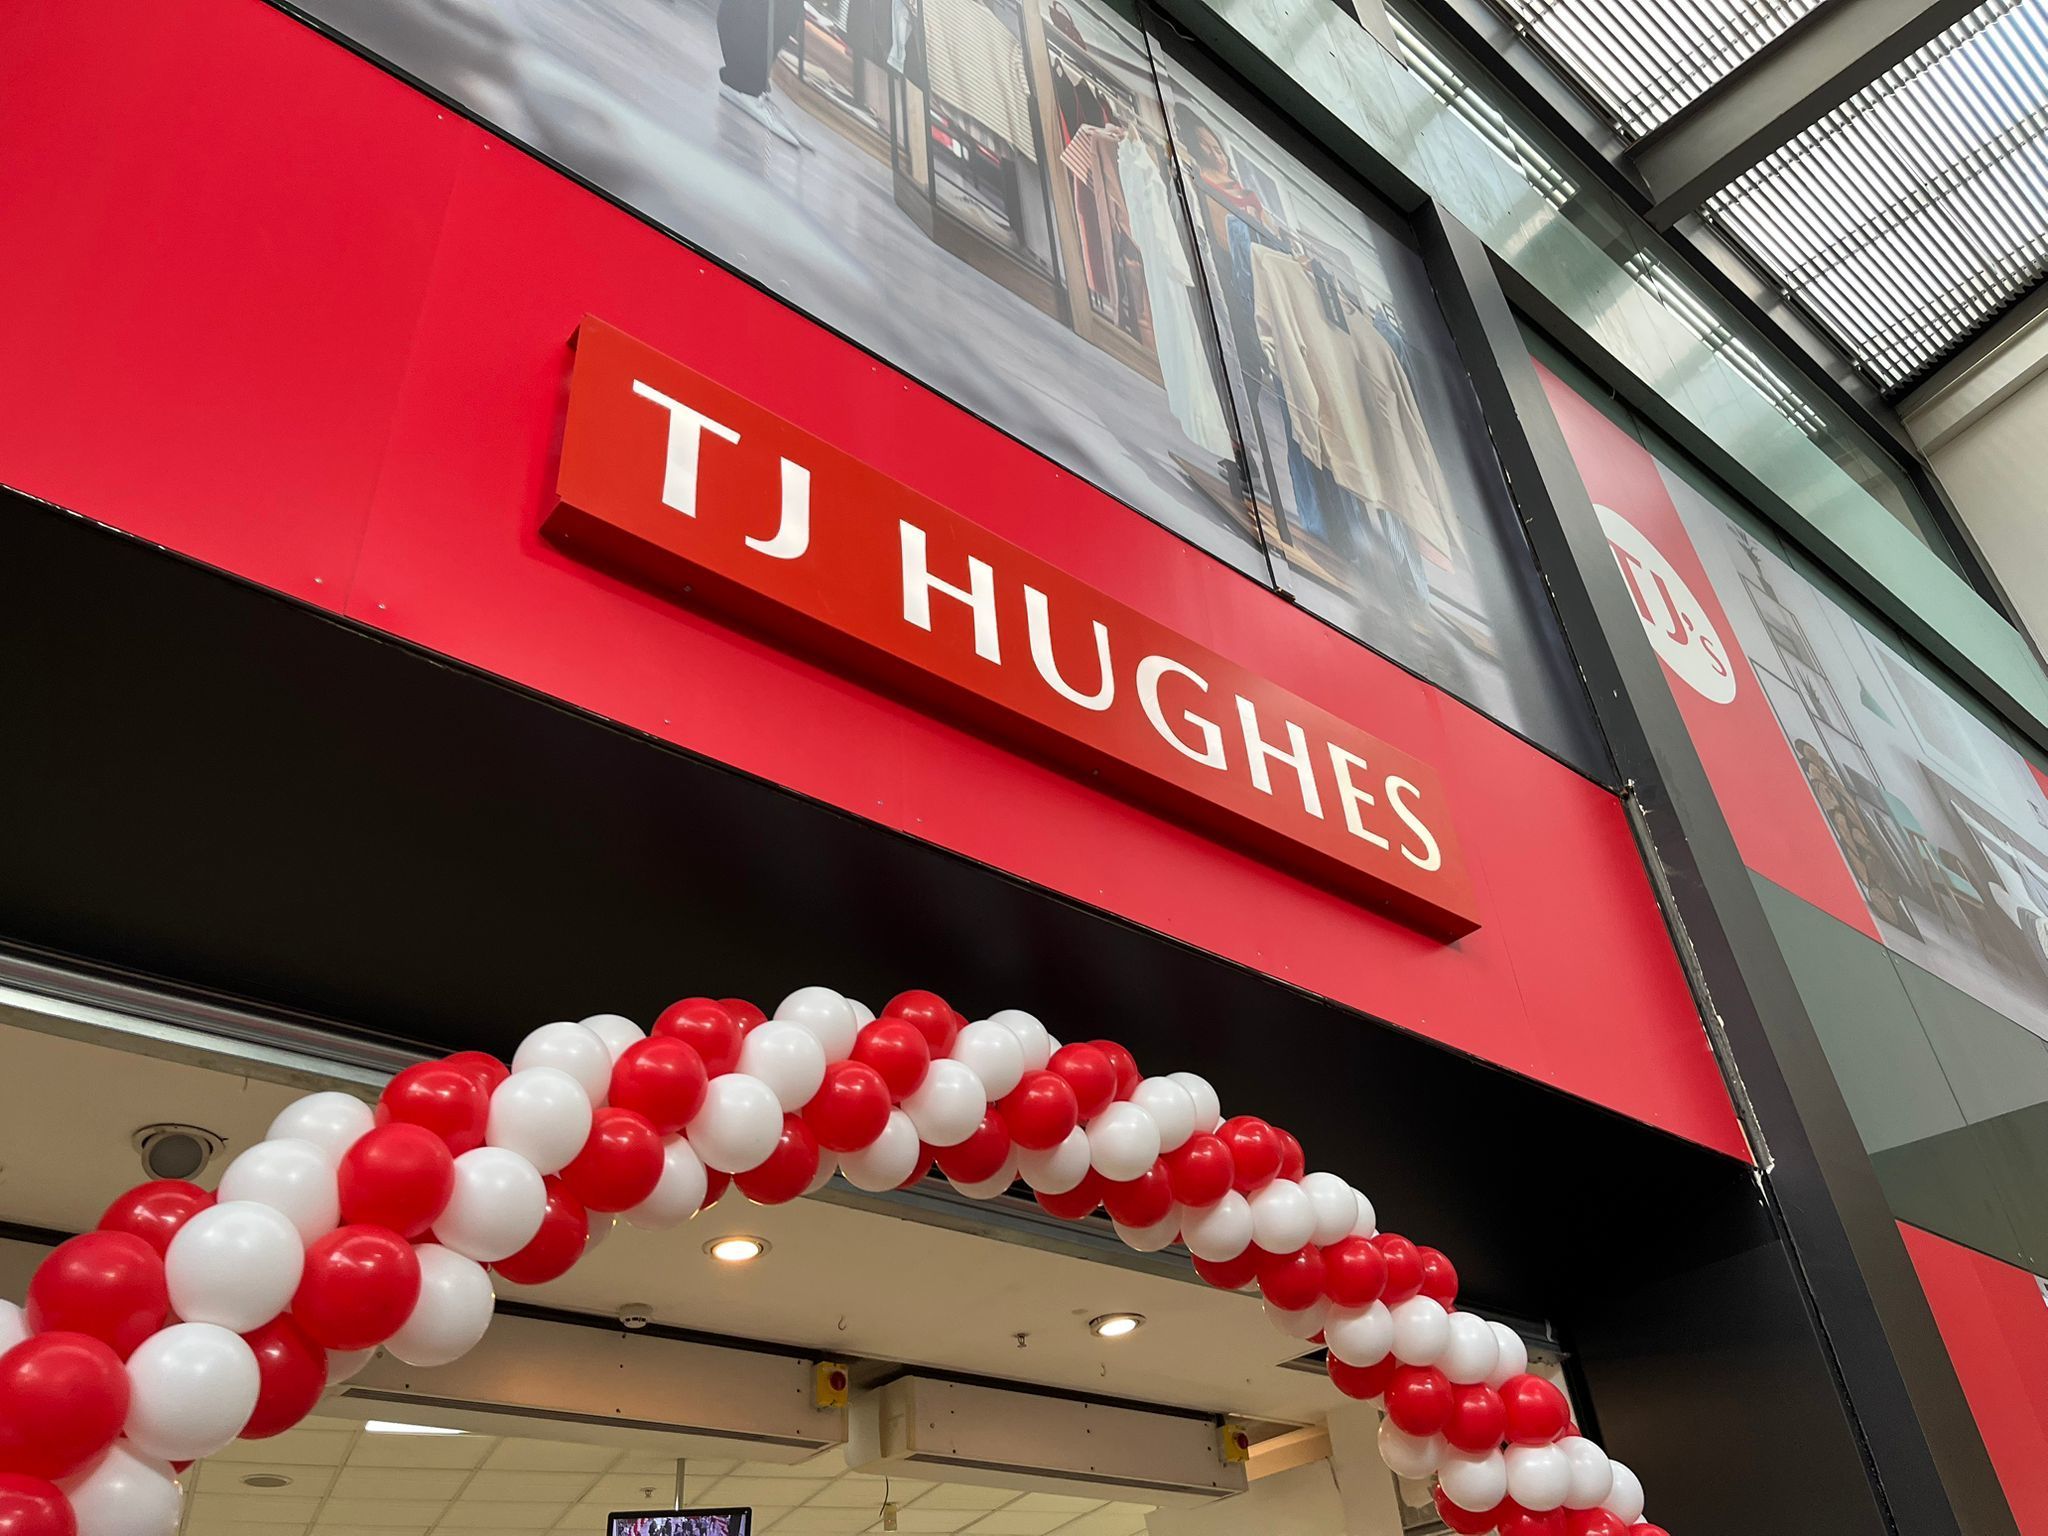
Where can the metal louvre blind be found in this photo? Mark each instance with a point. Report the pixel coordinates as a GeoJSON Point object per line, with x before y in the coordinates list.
{"type": "Point", "coordinates": [1913, 214]}
{"type": "Point", "coordinates": [1642, 60]}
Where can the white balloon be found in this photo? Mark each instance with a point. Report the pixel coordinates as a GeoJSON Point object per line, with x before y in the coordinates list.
{"type": "Point", "coordinates": [498, 1205]}
{"type": "Point", "coordinates": [291, 1176]}
{"type": "Point", "coordinates": [1208, 1108]}
{"type": "Point", "coordinates": [888, 1160]}
{"type": "Point", "coordinates": [123, 1492]}
{"type": "Point", "coordinates": [13, 1326]}
{"type": "Point", "coordinates": [1031, 1036]}
{"type": "Point", "coordinates": [1624, 1498]}
{"type": "Point", "coordinates": [1367, 1224]}
{"type": "Point", "coordinates": [1303, 1324]}
{"type": "Point", "coordinates": [829, 1017]}
{"type": "Point", "coordinates": [1539, 1476]}
{"type": "Point", "coordinates": [569, 1047]}
{"type": "Point", "coordinates": [1422, 1330]}
{"type": "Point", "coordinates": [1171, 1107]}
{"type": "Point", "coordinates": [992, 1186]}
{"type": "Point", "coordinates": [788, 1058]}
{"type": "Point", "coordinates": [543, 1114]}
{"type": "Point", "coordinates": [1514, 1355]}
{"type": "Point", "coordinates": [1220, 1232]}
{"type": "Point", "coordinates": [333, 1122]}
{"type": "Point", "coordinates": [1472, 1352]}
{"type": "Point", "coordinates": [863, 1015]}
{"type": "Point", "coordinates": [1057, 1169]}
{"type": "Point", "coordinates": [991, 1053]}
{"type": "Point", "coordinates": [679, 1194]}
{"type": "Point", "coordinates": [1592, 1473]}
{"type": "Point", "coordinates": [739, 1123]}
{"type": "Point", "coordinates": [828, 1165]}
{"type": "Point", "coordinates": [1336, 1208]}
{"type": "Point", "coordinates": [345, 1364]}
{"type": "Point", "coordinates": [1282, 1218]}
{"type": "Point", "coordinates": [235, 1264]}
{"type": "Point", "coordinates": [1474, 1482]}
{"type": "Point", "coordinates": [617, 1032]}
{"type": "Point", "coordinates": [948, 1105]}
{"type": "Point", "coordinates": [1123, 1142]}
{"type": "Point", "coordinates": [1360, 1336]}
{"type": "Point", "coordinates": [452, 1313]}
{"type": "Point", "coordinates": [1410, 1455]}
{"type": "Point", "coordinates": [1161, 1234]}
{"type": "Point", "coordinates": [602, 1225]}
{"type": "Point", "coordinates": [191, 1388]}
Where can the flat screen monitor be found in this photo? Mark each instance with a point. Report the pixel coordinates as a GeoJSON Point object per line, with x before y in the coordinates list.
{"type": "Point", "coordinates": [680, 1522]}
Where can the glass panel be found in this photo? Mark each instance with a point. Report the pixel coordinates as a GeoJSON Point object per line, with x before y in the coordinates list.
{"type": "Point", "coordinates": [975, 189]}
{"type": "Point", "coordinates": [1590, 260]}
{"type": "Point", "coordinates": [1383, 508]}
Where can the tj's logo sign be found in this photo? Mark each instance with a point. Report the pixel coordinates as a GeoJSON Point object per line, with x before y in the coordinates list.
{"type": "Point", "coordinates": [708, 495]}
{"type": "Point", "coordinates": [1675, 620]}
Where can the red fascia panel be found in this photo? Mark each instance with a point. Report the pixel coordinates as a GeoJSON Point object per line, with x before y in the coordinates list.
{"type": "Point", "coordinates": [288, 316]}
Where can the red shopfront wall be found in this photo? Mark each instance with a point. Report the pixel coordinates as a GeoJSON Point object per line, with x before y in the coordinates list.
{"type": "Point", "coordinates": [1994, 1320]}
{"type": "Point", "coordinates": [273, 308]}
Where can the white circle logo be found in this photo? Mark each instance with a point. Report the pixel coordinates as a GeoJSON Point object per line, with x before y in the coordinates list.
{"type": "Point", "coordinates": [1673, 618]}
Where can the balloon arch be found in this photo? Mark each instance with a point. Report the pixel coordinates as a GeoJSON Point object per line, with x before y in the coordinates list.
{"type": "Point", "coordinates": [188, 1319]}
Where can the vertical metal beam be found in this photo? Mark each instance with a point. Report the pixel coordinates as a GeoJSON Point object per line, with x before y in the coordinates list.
{"type": "Point", "coordinates": [1927, 1465]}
{"type": "Point", "coordinates": [1820, 63]}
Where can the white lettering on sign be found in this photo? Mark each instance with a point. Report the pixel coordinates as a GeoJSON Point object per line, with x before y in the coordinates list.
{"type": "Point", "coordinates": [1673, 618]}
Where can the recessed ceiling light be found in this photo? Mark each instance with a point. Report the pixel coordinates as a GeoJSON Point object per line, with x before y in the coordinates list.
{"type": "Point", "coordinates": [266, 1480]}
{"type": "Point", "coordinates": [390, 1427]}
{"type": "Point", "coordinates": [737, 1249]}
{"type": "Point", "coordinates": [1115, 1325]}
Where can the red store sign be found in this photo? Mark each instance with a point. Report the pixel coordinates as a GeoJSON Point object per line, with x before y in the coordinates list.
{"type": "Point", "coordinates": [686, 485]}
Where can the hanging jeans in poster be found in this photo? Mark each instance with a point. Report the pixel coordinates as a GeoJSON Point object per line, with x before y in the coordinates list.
{"type": "Point", "coordinates": [750, 34]}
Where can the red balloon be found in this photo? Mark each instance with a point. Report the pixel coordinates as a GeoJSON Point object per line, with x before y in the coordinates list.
{"type": "Point", "coordinates": [398, 1176]}
{"type": "Point", "coordinates": [850, 1108]}
{"type": "Point", "coordinates": [1419, 1399]}
{"type": "Point", "coordinates": [1478, 1419]}
{"type": "Point", "coordinates": [481, 1065]}
{"type": "Point", "coordinates": [1089, 1073]}
{"type": "Point", "coordinates": [359, 1286]}
{"type": "Point", "coordinates": [1537, 1411]}
{"type": "Point", "coordinates": [1231, 1274]}
{"type": "Point", "coordinates": [1255, 1152]}
{"type": "Point", "coordinates": [1466, 1522]}
{"type": "Point", "coordinates": [981, 1155]}
{"type": "Point", "coordinates": [1141, 1202]}
{"type": "Point", "coordinates": [1644, 1528]}
{"type": "Point", "coordinates": [1202, 1171]}
{"type": "Point", "coordinates": [1517, 1521]}
{"type": "Point", "coordinates": [292, 1370]}
{"type": "Point", "coordinates": [1077, 1202]}
{"type": "Point", "coordinates": [563, 1235]}
{"type": "Point", "coordinates": [788, 1170]}
{"type": "Point", "coordinates": [620, 1163]}
{"type": "Point", "coordinates": [662, 1078]}
{"type": "Point", "coordinates": [34, 1506]}
{"type": "Point", "coordinates": [1593, 1522]}
{"type": "Point", "coordinates": [898, 1051]}
{"type": "Point", "coordinates": [1293, 1164]}
{"type": "Point", "coordinates": [708, 1028]}
{"type": "Point", "coordinates": [1439, 1278]}
{"type": "Point", "coordinates": [63, 1400]}
{"type": "Point", "coordinates": [108, 1285]}
{"type": "Point", "coordinates": [1353, 1272]}
{"type": "Point", "coordinates": [1041, 1111]}
{"type": "Point", "coordinates": [1362, 1381]}
{"type": "Point", "coordinates": [1292, 1281]}
{"type": "Point", "coordinates": [154, 1211]}
{"type": "Point", "coordinates": [715, 1186]}
{"type": "Point", "coordinates": [930, 1015]}
{"type": "Point", "coordinates": [744, 1013]}
{"type": "Point", "coordinates": [1404, 1267]}
{"type": "Point", "coordinates": [450, 1102]}
{"type": "Point", "coordinates": [1123, 1063]}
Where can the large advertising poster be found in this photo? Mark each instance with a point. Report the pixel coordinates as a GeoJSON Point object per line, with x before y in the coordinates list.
{"type": "Point", "coordinates": [1848, 774]}
{"type": "Point", "coordinates": [1383, 508]}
